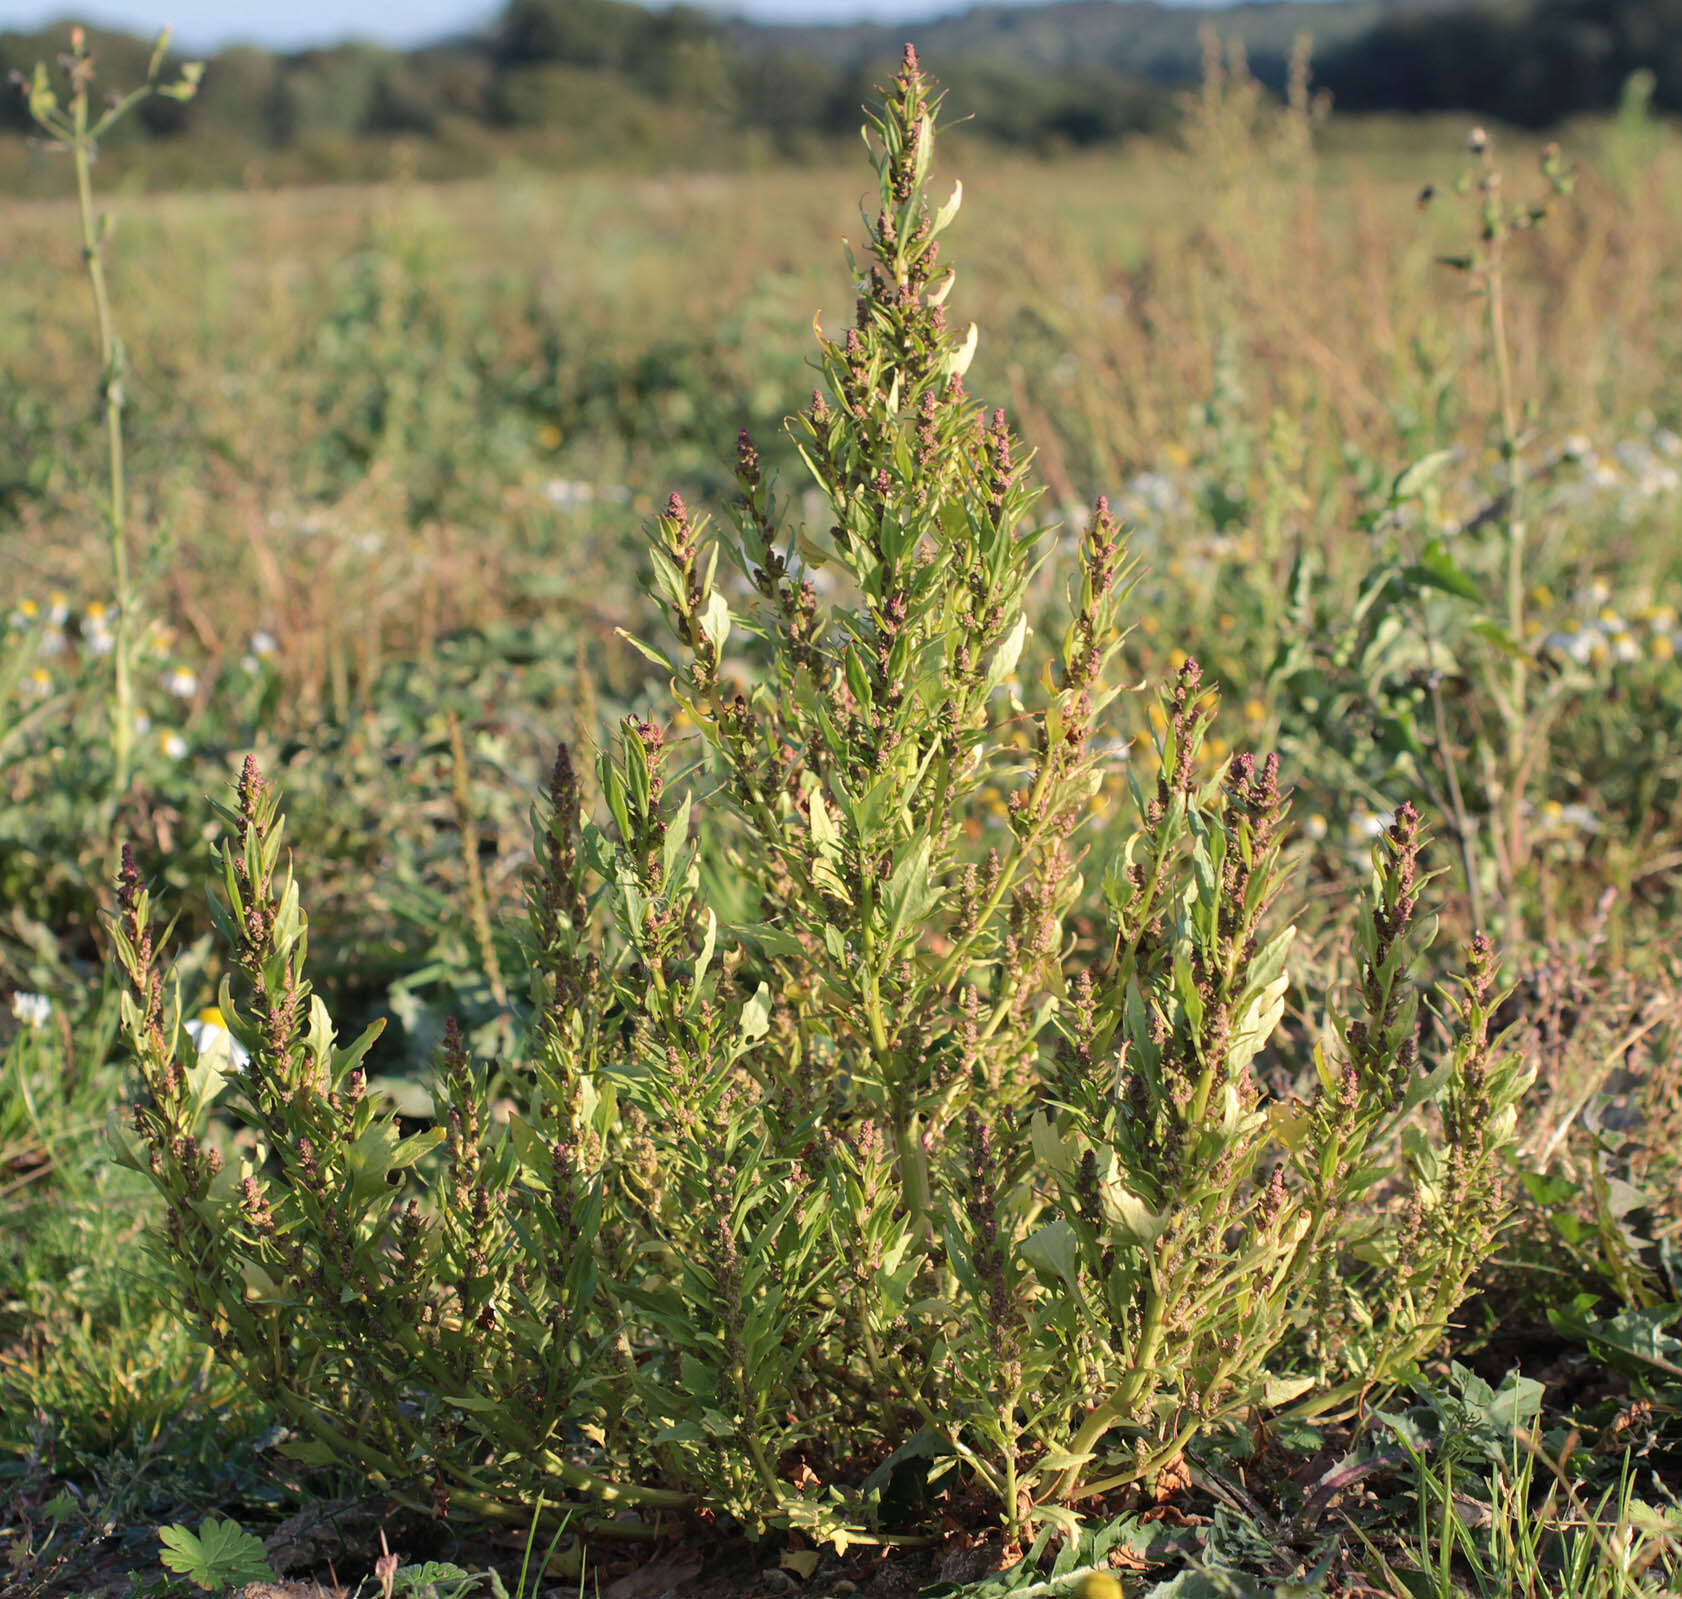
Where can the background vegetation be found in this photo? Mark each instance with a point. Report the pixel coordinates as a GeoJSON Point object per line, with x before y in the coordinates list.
{"type": "Point", "coordinates": [392, 452]}
{"type": "Point", "coordinates": [570, 83]}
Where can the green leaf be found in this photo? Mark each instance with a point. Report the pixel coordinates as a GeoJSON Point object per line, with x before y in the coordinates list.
{"type": "Point", "coordinates": [756, 1014]}
{"type": "Point", "coordinates": [223, 1555]}
{"type": "Point", "coordinates": [943, 217]}
{"type": "Point", "coordinates": [1492, 632]}
{"type": "Point", "coordinates": [1282, 1390]}
{"type": "Point", "coordinates": [309, 1452]}
{"type": "Point", "coordinates": [910, 896]}
{"type": "Point", "coordinates": [1253, 1029]}
{"type": "Point", "coordinates": [1412, 481]}
{"type": "Point", "coordinates": [1634, 1341]}
{"type": "Point", "coordinates": [1437, 569]}
{"type": "Point", "coordinates": [715, 620]}
{"type": "Point", "coordinates": [647, 650]}
{"type": "Point", "coordinates": [1053, 1250]}
{"type": "Point", "coordinates": [1006, 655]}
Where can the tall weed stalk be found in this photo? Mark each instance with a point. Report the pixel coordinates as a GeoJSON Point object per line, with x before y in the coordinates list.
{"type": "Point", "coordinates": [77, 126]}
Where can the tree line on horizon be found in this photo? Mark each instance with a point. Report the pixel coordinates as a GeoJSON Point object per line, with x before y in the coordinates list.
{"type": "Point", "coordinates": [581, 81]}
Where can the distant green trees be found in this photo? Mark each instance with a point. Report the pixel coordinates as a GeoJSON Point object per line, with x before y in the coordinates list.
{"type": "Point", "coordinates": [577, 80]}
{"type": "Point", "coordinates": [1531, 64]}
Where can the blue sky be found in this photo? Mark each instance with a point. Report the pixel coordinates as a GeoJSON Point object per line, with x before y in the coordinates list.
{"type": "Point", "coordinates": [290, 24]}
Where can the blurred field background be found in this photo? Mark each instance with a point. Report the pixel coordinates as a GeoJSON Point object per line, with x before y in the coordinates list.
{"type": "Point", "coordinates": [392, 443]}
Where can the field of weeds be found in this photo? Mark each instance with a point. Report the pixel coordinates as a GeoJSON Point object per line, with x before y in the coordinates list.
{"type": "Point", "coordinates": [1092, 996]}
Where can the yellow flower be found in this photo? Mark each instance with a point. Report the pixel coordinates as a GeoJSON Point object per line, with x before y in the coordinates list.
{"type": "Point", "coordinates": [1099, 1585]}
{"type": "Point", "coordinates": [1254, 711]}
{"type": "Point", "coordinates": [1176, 659]}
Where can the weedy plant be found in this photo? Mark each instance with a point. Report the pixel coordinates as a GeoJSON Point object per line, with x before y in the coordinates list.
{"type": "Point", "coordinates": [78, 124]}
{"type": "Point", "coordinates": [851, 1179]}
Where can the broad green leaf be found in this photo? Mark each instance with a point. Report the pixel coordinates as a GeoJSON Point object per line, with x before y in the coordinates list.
{"type": "Point", "coordinates": [910, 896]}
{"type": "Point", "coordinates": [1053, 1249]}
{"type": "Point", "coordinates": [223, 1555]}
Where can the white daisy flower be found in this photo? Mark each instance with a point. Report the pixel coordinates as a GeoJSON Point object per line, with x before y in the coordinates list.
{"type": "Point", "coordinates": [31, 1009]}
{"type": "Point", "coordinates": [1573, 642]}
{"type": "Point", "coordinates": [1579, 817]}
{"type": "Point", "coordinates": [1369, 824]}
{"type": "Point", "coordinates": [211, 1038]}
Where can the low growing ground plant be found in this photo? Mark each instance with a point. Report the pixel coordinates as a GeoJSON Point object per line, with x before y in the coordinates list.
{"type": "Point", "coordinates": [847, 1180]}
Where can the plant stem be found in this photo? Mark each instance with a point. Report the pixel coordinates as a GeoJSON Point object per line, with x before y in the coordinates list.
{"type": "Point", "coordinates": [116, 511]}
{"type": "Point", "coordinates": [1513, 460]}
{"type": "Point", "coordinates": [1112, 1410]}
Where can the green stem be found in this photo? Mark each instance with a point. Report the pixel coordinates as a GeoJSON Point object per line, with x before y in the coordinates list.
{"type": "Point", "coordinates": [913, 1176]}
{"type": "Point", "coordinates": [609, 1493]}
{"type": "Point", "coordinates": [110, 354]}
{"type": "Point", "coordinates": [1113, 1410]}
{"type": "Point", "coordinates": [1518, 673]}
{"type": "Point", "coordinates": [1012, 1520]}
